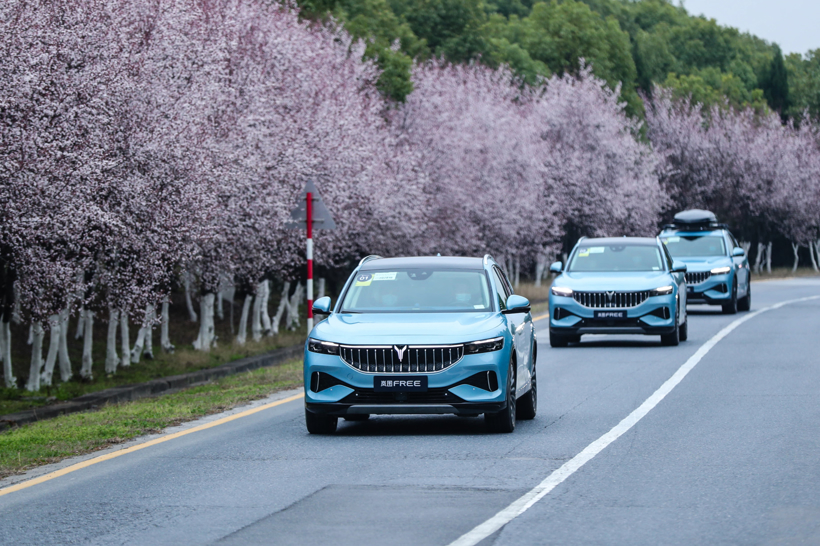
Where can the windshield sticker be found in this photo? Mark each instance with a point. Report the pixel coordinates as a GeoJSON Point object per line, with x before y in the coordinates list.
{"type": "Point", "coordinates": [656, 269]}
{"type": "Point", "coordinates": [583, 253]}
{"type": "Point", "coordinates": [596, 250]}
{"type": "Point", "coordinates": [385, 276]}
{"type": "Point", "coordinates": [671, 240]}
{"type": "Point", "coordinates": [364, 279]}
{"type": "Point", "coordinates": [478, 307]}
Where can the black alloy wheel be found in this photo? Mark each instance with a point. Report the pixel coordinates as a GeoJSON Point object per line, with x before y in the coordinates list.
{"type": "Point", "coordinates": [318, 423]}
{"type": "Point", "coordinates": [504, 420]}
{"type": "Point", "coordinates": [528, 404]}
{"type": "Point", "coordinates": [683, 330]}
{"type": "Point", "coordinates": [731, 307]}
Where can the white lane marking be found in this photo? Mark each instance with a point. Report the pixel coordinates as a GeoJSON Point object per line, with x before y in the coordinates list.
{"type": "Point", "coordinates": [521, 505]}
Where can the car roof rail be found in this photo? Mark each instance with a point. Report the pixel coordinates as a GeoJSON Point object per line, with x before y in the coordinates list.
{"type": "Point", "coordinates": [583, 237]}
{"type": "Point", "coordinates": [487, 257]}
{"type": "Point", "coordinates": [368, 258]}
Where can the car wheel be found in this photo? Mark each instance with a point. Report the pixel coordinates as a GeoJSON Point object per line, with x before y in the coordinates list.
{"type": "Point", "coordinates": [731, 307]}
{"type": "Point", "coordinates": [528, 404]}
{"type": "Point", "coordinates": [673, 339]}
{"type": "Point", "coordinates": [683, 331]}
{"type": "Point", "coordinates": [318, 423]}
{"type": "Point", "coordinates": [504, 420]}
{"type": "Point", "coordinates": [557, 340]}
{"type": "Point", "coordinates": [745, 303]}
{"type": "Point", "coordinates": [357, 417]}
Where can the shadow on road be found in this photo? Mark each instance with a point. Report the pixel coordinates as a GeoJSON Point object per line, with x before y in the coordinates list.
{"type": "Point", "coordinates": [395, 425]}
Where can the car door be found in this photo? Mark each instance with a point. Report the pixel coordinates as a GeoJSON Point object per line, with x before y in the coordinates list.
{"type": "Point", "coordinates": [680, 280]}
{"type": "Point", "coordinates": [520, 325]}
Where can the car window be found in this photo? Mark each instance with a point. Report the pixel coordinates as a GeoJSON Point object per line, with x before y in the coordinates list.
{"type": "Point", "coordinates": [418, 290]}
{"type": "Point", "coordinates": [625, 257]}
{"type": "Point", "coordinates": [734, 241]}
{"type": "Point", "coordinates": [695, 246]}
{"type": "Point", "coordinates": [500, 289]}
{"type": "Point", "coordinates": [507, 286]}
{"type": "Point", "coordinates": [668, 257]}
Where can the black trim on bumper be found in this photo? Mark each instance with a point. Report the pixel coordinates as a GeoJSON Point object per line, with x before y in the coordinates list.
{"type": "Point", "coordinates": [463, 408]}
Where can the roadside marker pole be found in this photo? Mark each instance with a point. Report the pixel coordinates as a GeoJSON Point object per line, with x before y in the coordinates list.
{"type": "Point", "coordinates": [309, 222]}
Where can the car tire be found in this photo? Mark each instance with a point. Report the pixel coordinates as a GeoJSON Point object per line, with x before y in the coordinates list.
{"type": "Point", "coordinates": [504, 420]}
{"type": "Point", "coordinates": [357, 417]}
{"type": "Point", "coordinates": [527, 405]}
{"type": "Point", "coordinates": [318, 423]}
{"type": "Point", "coordinates": [557, 340]}
{"type": "Point", "coordinates": [683, 331]}
{"type": "Point", "coordinates": [745, 303]}
{"type": "Point", "coordinates": [731, 307]}
{"type": "Point", "coordinates": [673, 339]}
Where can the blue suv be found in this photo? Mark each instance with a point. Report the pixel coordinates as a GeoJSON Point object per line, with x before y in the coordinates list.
{"type": "Point", "coordinates": [423, 335]}
{"type": "Point", "coordinates": [627, 285]}
{"type": "Point", "coordinates": [717, 267]}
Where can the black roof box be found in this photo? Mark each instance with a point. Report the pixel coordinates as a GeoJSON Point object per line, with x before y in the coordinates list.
{"type": "Point", "coordinates": [695, 217]}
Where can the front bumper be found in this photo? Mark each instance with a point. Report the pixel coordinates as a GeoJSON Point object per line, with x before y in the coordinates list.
{"type": "Point", "coordinates": [655, 316]}
{"type": "Point", "coordinates": [343, 390]}
{"type": "Point", "coordinates": [716, 290]}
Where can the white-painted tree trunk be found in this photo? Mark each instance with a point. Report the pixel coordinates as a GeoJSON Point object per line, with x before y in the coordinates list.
{"type": "Point", "coordinates": [812, 253]}
{"type": "Point", "coordinates": [206, 338]}
{"type": "Point", "coordinates": [112, 359]}
{"type": "Point", "coordinates": [256, 314]}
{"type": "Point", "coordinates": [33, 383]}
{"type": "Point", "coordinates": [320, 288]}
{"type": "Point", "coordinates": [88, 344]}
{"type": "Point", "coordinates": [8, 372]}
{"type": "Point", "coordinates": [769, 258]}
{"type": "Point", "coordinates": [125, 340]}
{"type": "Point", "coordinates": [264, 316]}
{"type": "Point", "coordinates": [53, 346]}
{"type": "Point", "coordinates": [280, 311]}
{"type": "Point", "coordinates": [761, 250]}
{"type": "Point", "coordinates": [80, 324]}
{"type": "Point", "coordinates": [62, 351]}
{"type": "Point", "coordinates": [746, 246]}
{"type": "Point", "coordinates": [148, 346]}
{"type": "Point", "coordinates": [292, 318]}
{"type": "Point", "coordinates": [540, 267]}
{"type": "Point", "coordinates": [796, 250]}
{"type": "Point", "coordinates": [186, 278]}
{"type": "Point", "coordinates": [30, 339]}
{"type": "Point", "coordinates": [165, 340]}
{"type": "Point", "coordinates": [242, 334]}
{"type": "Point", "coordinates": [142, 345]}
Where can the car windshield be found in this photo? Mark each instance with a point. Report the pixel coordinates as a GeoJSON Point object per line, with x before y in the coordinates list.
{"type": "Point", "coordinates": [694, 246]}
{"type": "Point", "coordinates": [617, 258]}
{"type": "Point", "coordinates": [418, 291]}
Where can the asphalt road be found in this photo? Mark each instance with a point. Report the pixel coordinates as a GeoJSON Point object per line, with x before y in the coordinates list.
{"type": "Point", "coordinates": [730, 456]}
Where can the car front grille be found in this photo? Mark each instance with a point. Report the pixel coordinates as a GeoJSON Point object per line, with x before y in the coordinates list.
{"type": "Point", "coordinates": [606, 300]}
{"type": "Point", "coordinates": [401, 358]}
{"type": "Point", "coordinates": [697, 277]}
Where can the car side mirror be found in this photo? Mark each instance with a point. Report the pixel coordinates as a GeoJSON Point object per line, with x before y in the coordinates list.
{"type": "Point", "coordinates": [517, 304]}
{"type": "Point", "coordinates": [557, 267]}
{"type": "Point", "coordinates": [678, 267]}
{"type": "Point", "coordinates": [322, 306]}
{"type": "Point", "coordinates": [738, 252]}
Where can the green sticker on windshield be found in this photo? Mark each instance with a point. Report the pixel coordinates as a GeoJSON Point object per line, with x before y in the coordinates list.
{"type": "Point", "coordinates": [671, 240]}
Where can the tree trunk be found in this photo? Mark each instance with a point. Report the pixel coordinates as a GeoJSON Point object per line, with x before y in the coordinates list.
{"type": "Point", "coordinates": [206, 338]}
{"type": "Point", "coordinates": [143, 342]}
{"type": "Point", "coordinates": [283, 304]}
{"type": "Point", "coordinates": [264, 315]}
{"type": "Point", "coordinates": [292, 319]}
{"type": "Point", "coordinates": [80, 324]}
{"type": "Point", "coordinates": [746, 246]}
{"type": "Point", "coordinates": [62, 352]}
{"type": "Point", "coordinates": [30, 339]}
{"type": "Point", "coordinates": [53, 347]}
{"type": "Point", "coordinates": [761, 249]}
{"type": "Point", "coordinates": [187, 281]}
{"type": "Point", "coordinates": [769, 258]}
{"type": "Point", "coordinates": [796, 250]}
{"type": "Point", "coordinates": [242, 335]}
{"type": "Point", "coordinates": [33, 383]}
{"type": "Point", "coordinates": [125, 340]}
{"type": "Point", "coordinates": [88, 344]}
{"type": "Point", "coordinates": [320, 288]}
{"type": "Point", "coordinates": [256, 314]}
{"type": "Point", "coordinates": [540, 268]}
{"type": "Point", "coordinates": [813, 251]}
{"type": "Point", "coordinates": [112, 359]}
{"type": "Point", "coordinates": [148, 350]}
{"type": "Point", "coordinates": [165, 340]}
{"type": "Point", "coordinates": [8, 372]}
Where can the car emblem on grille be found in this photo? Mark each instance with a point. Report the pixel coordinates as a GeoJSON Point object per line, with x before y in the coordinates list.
{"type": "Point", "coordinates": [610, 295]}
{"type": "Point", "coordinates": [400, 351]}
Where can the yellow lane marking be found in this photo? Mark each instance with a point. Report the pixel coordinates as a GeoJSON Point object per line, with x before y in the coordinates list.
{"type": "Point", "coordinates": [115, 454]}
{"type": "Point", "coordinates": [541, 317]}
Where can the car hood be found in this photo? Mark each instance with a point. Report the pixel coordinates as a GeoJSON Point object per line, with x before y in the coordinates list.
{"type": "Point", "coordinates": [705, 263]}
{"type": "Point", "coordinates": [408, 328]}
{"type": "Point", "coordinates": [619, 281]}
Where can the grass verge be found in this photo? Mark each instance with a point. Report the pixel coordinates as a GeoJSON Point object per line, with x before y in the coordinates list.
{"type": "Point", "coordinates": [55, 439]}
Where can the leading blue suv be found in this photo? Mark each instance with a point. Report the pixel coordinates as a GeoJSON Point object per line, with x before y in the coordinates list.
{"type": "Point", "coordinates": [423, 335]}
{"type": "Point", "coordinates": [717, 267]}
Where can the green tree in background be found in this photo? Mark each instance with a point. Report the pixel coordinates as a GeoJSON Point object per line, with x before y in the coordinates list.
{"type": "Point", "coordinates": [775, 84]}
{"type": "Point", "coordinates": [804, 84]}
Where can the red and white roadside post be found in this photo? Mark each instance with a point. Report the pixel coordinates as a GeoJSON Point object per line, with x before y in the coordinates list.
{"type": "Point", "coordinates": [309, 222]}
{"type": "Point", "coordinates": [310, 213]}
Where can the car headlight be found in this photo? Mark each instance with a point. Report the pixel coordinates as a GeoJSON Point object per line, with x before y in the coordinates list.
{"type": "Point", "coordinates": [662, 291]}
{"type": "Point", "coordinates": [562, 291]}
{"type": "Point", "coordinates": [324, 347]}
{"type": "Point", "coordinates": [484, 346]}
{"type": "Point", "coordinates": [721, 270]}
